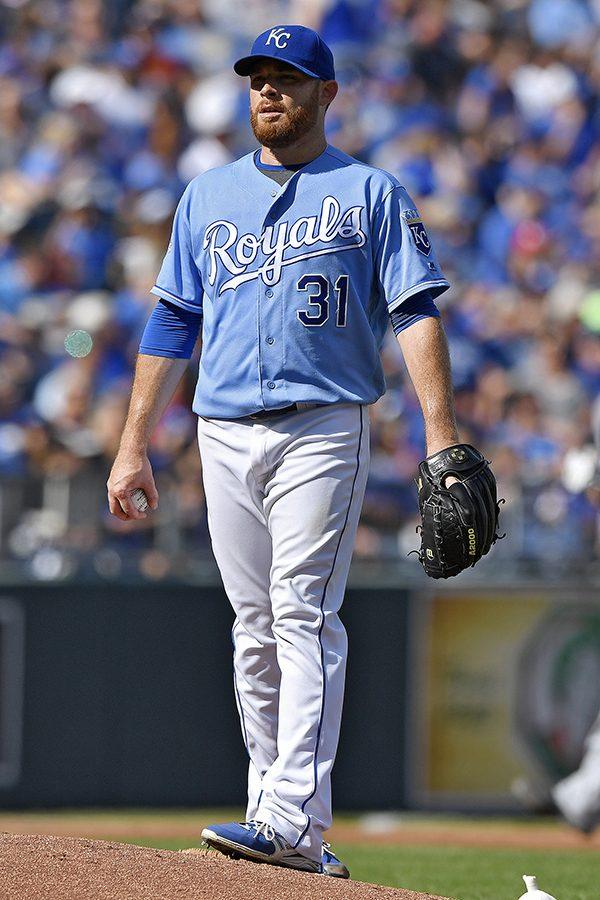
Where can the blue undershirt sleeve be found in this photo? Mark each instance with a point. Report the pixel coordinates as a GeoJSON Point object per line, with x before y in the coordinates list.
{"type": "Point", "coordinates": [170, 331]}
{"type": "Point", "coordinates": [421, 306]}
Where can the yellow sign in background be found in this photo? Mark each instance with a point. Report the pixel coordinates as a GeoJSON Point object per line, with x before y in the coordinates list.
{"type": "Point", "coordinates": [471, 645]}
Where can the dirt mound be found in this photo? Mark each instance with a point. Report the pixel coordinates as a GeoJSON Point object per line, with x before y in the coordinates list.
{"type": "Point", "coordinates": [41, 867]}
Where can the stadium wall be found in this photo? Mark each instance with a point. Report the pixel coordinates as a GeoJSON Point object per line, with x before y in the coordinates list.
{"type": "Point", "coordinates": [121, 695]}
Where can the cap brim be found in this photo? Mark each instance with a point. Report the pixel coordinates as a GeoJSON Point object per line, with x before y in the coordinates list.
{"type": "Point", "coordinates": [244, 65]}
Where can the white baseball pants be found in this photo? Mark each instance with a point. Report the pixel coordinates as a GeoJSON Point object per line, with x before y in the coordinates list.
{"type": "Point", "coordinates": [284, 497]}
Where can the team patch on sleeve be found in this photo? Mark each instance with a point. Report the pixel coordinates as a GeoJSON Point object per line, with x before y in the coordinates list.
{"type": "Point", "coordinates": [417, 230]}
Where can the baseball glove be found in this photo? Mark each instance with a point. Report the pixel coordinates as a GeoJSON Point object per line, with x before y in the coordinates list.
{"type": "Point", "coordinates": [458, 521]}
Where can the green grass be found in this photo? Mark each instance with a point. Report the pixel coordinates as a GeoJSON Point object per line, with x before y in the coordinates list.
{"type": "Point", "coordinates": [475, 874]}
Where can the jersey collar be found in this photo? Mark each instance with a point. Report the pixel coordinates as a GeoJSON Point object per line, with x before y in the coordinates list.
{"type": "Point", "coordinates": [260, 185]}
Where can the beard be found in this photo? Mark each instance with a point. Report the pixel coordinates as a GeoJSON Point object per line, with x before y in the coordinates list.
{"type": "Point", "coordinates": [291, 126]}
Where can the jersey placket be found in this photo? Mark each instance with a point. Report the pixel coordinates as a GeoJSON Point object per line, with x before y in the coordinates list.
{"type": "Point", "coordinates": [270, 321]}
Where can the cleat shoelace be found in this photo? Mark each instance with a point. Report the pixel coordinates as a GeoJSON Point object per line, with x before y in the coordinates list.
{"type": "Point", "coordinates": [327, 849]}
{"type": "Point", "coordinates": [263, 828]}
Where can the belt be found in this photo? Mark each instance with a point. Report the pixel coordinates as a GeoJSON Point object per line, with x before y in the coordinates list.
{"type": "Point", "coordinates": [284, 410]}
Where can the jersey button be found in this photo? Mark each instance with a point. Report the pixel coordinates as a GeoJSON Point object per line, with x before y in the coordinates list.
{"type": "Point", "coordinates": [273, 193]}
{"type": "Point", "coordinates": [269, 293]}
{"type": "Point", "coordinates": [270, 385]}
{"type": "Point", "coordinates": [270, 340]}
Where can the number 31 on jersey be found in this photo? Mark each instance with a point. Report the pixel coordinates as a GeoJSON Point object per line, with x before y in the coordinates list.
{"type": "Point", "coordinates": [318, 288]}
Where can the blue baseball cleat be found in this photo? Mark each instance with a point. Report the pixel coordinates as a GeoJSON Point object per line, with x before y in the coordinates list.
{"type": "Point", "coordinates": [331, 864]}
{"type": "Point", "coordinates": [258, 842]}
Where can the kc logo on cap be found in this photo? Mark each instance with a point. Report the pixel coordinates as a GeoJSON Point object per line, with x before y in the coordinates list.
{"type": "Point", "coordinates": [276, 35]}
{"type": "Point", "coordinates": [295, 45]}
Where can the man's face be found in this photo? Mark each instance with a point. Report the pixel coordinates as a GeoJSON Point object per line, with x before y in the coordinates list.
{"type": "Point", "coordinates": [284, 103]}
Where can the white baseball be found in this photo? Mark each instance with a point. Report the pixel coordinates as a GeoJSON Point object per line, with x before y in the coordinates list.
{"type": "Point", "coordinates": [140, 501]}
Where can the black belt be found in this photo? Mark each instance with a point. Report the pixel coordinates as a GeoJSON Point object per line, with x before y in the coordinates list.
{"type": "Point", "coordinates": [293, 407]}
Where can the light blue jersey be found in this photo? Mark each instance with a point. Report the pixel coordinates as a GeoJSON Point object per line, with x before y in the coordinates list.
{"type": "Point", "coordinates": [295, 283]}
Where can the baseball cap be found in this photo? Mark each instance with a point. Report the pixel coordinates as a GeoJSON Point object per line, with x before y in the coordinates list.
{"type": "Point", "coordinates": [297, 45]}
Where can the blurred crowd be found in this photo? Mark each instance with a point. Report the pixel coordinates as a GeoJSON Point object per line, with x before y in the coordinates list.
{"type": "Point", "coordinates": [488, 112]}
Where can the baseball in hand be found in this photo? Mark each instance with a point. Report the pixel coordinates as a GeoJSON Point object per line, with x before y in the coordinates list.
{"type": "Point", "coordinates": [140, 501]}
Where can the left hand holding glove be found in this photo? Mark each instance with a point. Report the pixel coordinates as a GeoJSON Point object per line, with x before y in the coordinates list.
{"type": "Point", "coordinates": [459, 520]}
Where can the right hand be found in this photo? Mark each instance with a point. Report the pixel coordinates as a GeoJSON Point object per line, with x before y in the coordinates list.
{"type": "Point", "coordinates": [130, 471]}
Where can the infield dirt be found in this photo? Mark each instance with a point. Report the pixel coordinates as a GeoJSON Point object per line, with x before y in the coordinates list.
{"type": "Point", "coordinates": [43, 867]}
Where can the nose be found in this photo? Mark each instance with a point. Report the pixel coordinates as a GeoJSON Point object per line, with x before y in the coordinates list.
{"type": "Point", "coordinates": [268, 90]}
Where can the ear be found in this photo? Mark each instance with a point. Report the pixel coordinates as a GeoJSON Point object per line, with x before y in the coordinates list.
{"type": "Point", "coordinates": [329, 90]}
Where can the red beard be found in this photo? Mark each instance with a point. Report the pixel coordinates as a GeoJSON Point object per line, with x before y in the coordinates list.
{"type": "Point", "coordinates": [291, 125]}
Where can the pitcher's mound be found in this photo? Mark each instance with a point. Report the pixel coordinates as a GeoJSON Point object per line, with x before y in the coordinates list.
{"type": "Point", "coordinates": [39, 867]}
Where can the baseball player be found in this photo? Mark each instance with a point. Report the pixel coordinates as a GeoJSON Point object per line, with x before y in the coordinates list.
{"type": "Point", "coordinates": [577, 797]}
{"type": "Point", "coordinates": [291, 260]}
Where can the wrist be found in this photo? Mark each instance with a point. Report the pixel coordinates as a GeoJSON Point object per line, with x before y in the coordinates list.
{"type": "Point", "coordinates": [132, 445]}
{"type": "Point", "coordinates": [434, 445]}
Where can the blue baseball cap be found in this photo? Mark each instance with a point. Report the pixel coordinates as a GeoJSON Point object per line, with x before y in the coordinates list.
{"type": "Point", "coordinates": [301, 47]}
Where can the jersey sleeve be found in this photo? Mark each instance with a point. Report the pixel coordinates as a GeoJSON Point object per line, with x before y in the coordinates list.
{"type": "Point", "coordinates": [179, 280]}
{"type": "Point", "coordinates": [405, 262]}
